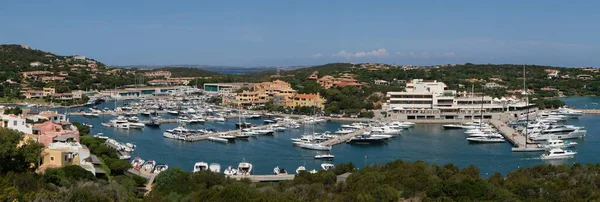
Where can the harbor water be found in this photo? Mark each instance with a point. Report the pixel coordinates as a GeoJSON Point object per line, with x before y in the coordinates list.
{"type": "Point", "coordinates": [426, 142]}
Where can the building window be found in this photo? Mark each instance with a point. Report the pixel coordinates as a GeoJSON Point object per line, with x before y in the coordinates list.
{"type": "Point", "coordinates": [15, 123]}
{"type": "Point", "coordinates": [51, 158]}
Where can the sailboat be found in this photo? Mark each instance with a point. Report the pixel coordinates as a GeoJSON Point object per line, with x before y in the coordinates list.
{"type": "Point", "coordinates": [242, 124]}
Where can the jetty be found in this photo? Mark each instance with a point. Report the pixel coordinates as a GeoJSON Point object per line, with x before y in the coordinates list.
{"type": "Point", "coordinates": [345, 138]}
{"type": "Point", "coordinates": [509, 133]}
{"type": "Point", "coordinates": [264, 178]}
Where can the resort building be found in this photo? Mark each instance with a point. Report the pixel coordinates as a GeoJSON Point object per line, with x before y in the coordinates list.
{"type": "Point", "coordinates": [226, 89]}
{"type": "Point", "coordinates": [155, 74]}
{"type": "Point", "coordinates": [305, 100]}
{"type": "Point", "coordinates": [50, 132]}
{"type": "Point", "coordinates": [584, 76]}
{"type": "Point", "coordinates": [33, 94]}
{"type": "Point", "coordinates": [423, 99]}
{"type": "Point", "coordinates": [61, 154]}
{"type": "Point", "coordinates": [247, 98]}
{"type": "Point", "coordinates": [17, 123]}
{"type": "Point", "coordinates": [331, 82]}
{"type": "Point", "coordinates": [493, 85]}
{"type": "Point", "coordinates": [276, 87]}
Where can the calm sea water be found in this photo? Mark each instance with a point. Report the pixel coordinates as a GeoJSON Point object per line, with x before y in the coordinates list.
{"type": "Point", "coordinates": [426, 142]}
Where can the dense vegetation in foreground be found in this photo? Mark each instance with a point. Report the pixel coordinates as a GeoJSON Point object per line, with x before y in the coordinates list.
{"type": "Point", "coordinates": [392, 181]}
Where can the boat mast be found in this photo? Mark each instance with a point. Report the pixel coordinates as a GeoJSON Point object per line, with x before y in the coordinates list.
{"type": "Point", "coordinates": [527, 105]}
{"type": "Point", "coordinates": [481, 111]}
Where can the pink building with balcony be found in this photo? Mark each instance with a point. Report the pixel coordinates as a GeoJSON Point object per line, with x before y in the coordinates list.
{"type": "Point", "coordinates": [49, 132]}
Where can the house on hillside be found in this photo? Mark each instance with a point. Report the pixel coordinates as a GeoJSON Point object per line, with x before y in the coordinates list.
{"type": "Point", "coordinates": [584, 76]}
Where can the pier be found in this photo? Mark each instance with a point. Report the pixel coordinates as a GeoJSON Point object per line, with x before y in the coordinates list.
{"type": "Point", "coordinates": [345, 138]}
{"type": "Point", "coordinates": [264, 178]}
{"type": "Point", "coordinates": [509, 133]}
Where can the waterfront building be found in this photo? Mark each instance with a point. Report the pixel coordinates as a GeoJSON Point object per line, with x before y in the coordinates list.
{"type": "Point", "coordinates": [50, 132]}
{"type": "Point", "coordinates": [305, 100]}
{"type": "Point", "coordinates": [33, 94]}
{"type": "Point", "coordinates": [427, 99]}
{"type": "Point", "coordinates": [226, 89]}
{"type": "Point", "coordinates": [60, 154]}
{"type": "Point", "coordinates": [17, 123]}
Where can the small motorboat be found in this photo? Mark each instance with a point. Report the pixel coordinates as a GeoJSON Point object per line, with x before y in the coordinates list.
{"type": "Point", "coordinates": [218, 139]}
{"type": "Point", "coordinates": [160, 167]}
{"type": "Point", "coordinates": [279, 171]}
{"type": "Point", "coordinates": [227, 136]}
{"type": "Point", "coordinates": [137, 162]}
{"type": "Point", "coordinates": [242, 135]}
{"type": "Point", "coordinates": [200, 166]}
{"type": "Point", "coordinates": [487, 139]}
{"type": "Point", "coordinates": [300, 169]}
{"type": "Point", "coordinates": [215, 167]}
{"type": "Point", "coordinates": [557, 153]}
{"type": "Point", "coordinates": [324, 156]}
{"type": "Point", "coordinates": [244, 168]}
{"type": "Point", "coordinates": [230, 171]}
{"type": "Point", "coordinates": [327, 166]}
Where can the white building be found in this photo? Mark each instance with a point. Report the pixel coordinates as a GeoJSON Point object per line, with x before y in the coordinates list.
{"type": "Point", "coordinates": [35, 64]}
{"type": "Point", "coordinates": [493, 85]}
{"type": "Point", "coordinates": [433, 100]}
{"type": "Point", "coordinates": [17, 123]}
{"type": "Point", "coordinates": [79, 57]}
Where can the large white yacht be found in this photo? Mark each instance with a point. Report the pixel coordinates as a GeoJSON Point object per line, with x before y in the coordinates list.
{"type": "Point", "coordinates": [314, 146]}
{"type": "Point", "coordinates": [385, 130]}
{"type": "Point", "coordinates": [550, 144]}
{"type": "Point", "coordinates": [557, 153]}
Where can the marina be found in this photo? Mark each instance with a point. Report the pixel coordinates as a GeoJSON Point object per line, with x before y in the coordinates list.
{"type": "Point", "coordinates": [427, 141]}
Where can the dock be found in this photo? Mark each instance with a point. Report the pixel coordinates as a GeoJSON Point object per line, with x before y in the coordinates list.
{"type": "Point", "coordinates": [345, 138]}
{"type": "Point", "coordinates": [590, 111]}
{"type": "Point", "coordinates": [509, 133]}
{"type": "Point", "coordinates": [264, 178]}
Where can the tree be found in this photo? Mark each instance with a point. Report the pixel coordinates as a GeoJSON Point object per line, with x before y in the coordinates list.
{"type": "Point", "coordinates": [13, 110]}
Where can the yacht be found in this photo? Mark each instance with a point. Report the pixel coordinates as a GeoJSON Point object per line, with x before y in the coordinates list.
{"type": "Point", "coordinates": [227, 136]}
{"type": "Point", "coordinates": [385, 130]}
{"type": "Point", "coordinates": [570, 113]}
{"type": "Point", "coordinates": [215, 167]}
{"type": "Point", "coordinates": [324, 156]}
{"type": "Point", "coordinates": [269, 121]}
{"type": "Point", "coordinates": [277, 128]}
{"type": "Point", "coordinates": [154, 123]}
{"type": "Point", "coordinates": [344, 131]}
{"type": "Point", "coordinates": [230, 171]}
{"type": "Point", "coordinates": [355, 126]}
{"type": "Point", "coordinates": [133, 119]}
{"type": "Point", "coordinates": [137, 162]}
{"type": "Point", "coordinates": [557, 153]}
{"type": "Point", "coordinates": [218, 139]}
{"type": "Point", "coordinates": [137, 125]}
{"type": "Point", "coordinates": [149, 165]}
{"type": "Point", "coordinates": [479, 130]}
{"type": "Point", "coordinates": [558, 134]}
{"type": "Point", "coordinates": [179, 132]}
{"type": "Point", "coordinates": [367, 139]}
{"type": "Point", "coordinates": [314, 146]}
{"type": "Point", "coordinates": [242, 135]}
{"type": "Point", "coordinates": [485, 134]}
{"type": "Point", "coordinates": [279, 171]}
{"type": "Point", "coordinates": [300, 169]}
{"type": "Point", "coordinates": [263, 131]}
{"type": "Point", "coordinates": [402, 124]}
{"type": "Point", "coordinates": [245, 168]}
{"type": "Point", "coordinates": [327, 166]}
{"type": "Point", "coordinates": [216, 119]}
{"type": "Point", "coordinates": [200, 166]}
{"type": "Point", "coordinates": [486, 139]}
{"type": "Point", "coordinates": [248, 132]}
{"type": "Point", "coordinates": [172, 112]}
{"type": "Point", "coordinates": [160, 167]}
{"type": "Point", "coordinates": [550, 144]}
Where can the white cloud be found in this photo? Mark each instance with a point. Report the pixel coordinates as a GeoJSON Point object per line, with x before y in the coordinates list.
{"type": "Point", "coordinates": [382, 52]}
{"type": "Point", "coordinates": [424, 54]}
{"type": "Point", "coordinates": [317, 55]}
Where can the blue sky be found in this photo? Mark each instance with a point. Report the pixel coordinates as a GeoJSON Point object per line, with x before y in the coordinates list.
{"type": "Point", "coordinates": [284, 33]}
